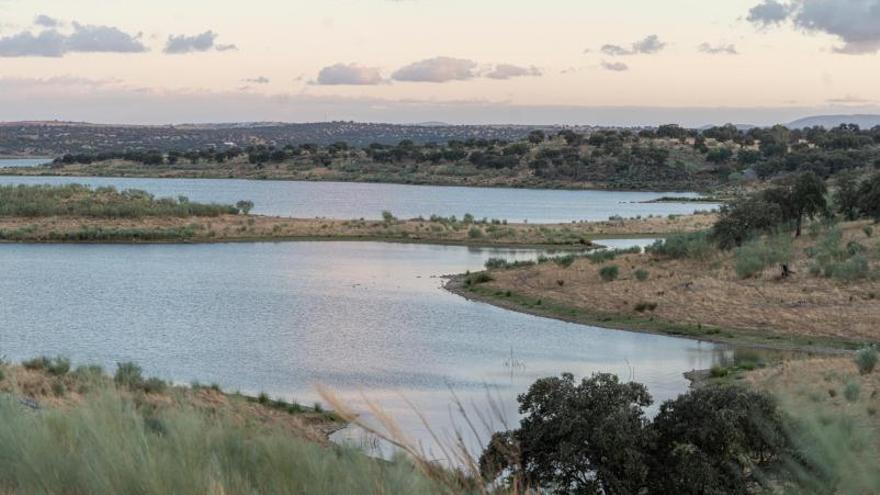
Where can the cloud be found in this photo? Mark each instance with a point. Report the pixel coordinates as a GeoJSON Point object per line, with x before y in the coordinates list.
{"type": "Point", "coordinates": [102, 39]}
{"type": "Point", "coordinates": [46, 21]}
{"type": "Point", "coordinates": [257, 80]}
{"type": "Point", "coordinates": [720, 49]}
{"type": "Point", "coordinates": [650, 45]}
{"type": "Point", "coordinates": [180, 44]}
{"type": "Point", "coordinates": [854, 22]}
{"type": "Point", "coordinates": [83, 39]}
{"type": "Point", "coordinates": [507, 71]}
{"type": "Point", "coordinates": [769, 12]}
{"type": "Point", "coordinates": [437, 70]}
{"type": "Point", "coordinates": [349, 74]}
{"type": "Point", "coordinates": [615, 66]}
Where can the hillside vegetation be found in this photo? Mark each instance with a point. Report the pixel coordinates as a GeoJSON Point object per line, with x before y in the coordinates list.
{"type": "Point", "coordinates": [669, 157]}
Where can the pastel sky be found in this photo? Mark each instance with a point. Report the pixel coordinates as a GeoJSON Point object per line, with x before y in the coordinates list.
{"type": "Point", "coordinates": [622, 62]}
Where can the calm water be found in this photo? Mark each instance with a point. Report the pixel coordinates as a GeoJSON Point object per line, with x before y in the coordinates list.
{"type": "Point", "coordinates": [23, 162]}
{"type": "Point", "coordinates": [282, 317]}
{"type": "Point", "coordinates": [347, 200]}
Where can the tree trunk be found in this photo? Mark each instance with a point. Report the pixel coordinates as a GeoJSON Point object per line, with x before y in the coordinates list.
{"type": "Point", "coordinates": [798, 231]}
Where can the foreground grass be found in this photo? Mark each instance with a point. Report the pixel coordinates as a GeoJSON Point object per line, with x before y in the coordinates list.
{"type": "Point", "coordinates": [94, 435]}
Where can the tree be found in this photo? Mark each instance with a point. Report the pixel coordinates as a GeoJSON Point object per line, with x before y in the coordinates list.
{"type": "Point", "coordinates": [742, 219]}
{"type": "Point", "coordinates": [869, 194]}
{"type": "Point", "coordinates": [717, 439]}
{"type": "Point", "coordinates": [808, 198]}
{"type": "Point", "coordinates": [537, 137]}
{"type": "Point", "coordinates": [592, 437]}
{"type": "Point", "coordinates": [847, 197]}
{"type": "Point", "coordinates": [576, 438]}
{"type": "Point", "coordinates": [245, 206]}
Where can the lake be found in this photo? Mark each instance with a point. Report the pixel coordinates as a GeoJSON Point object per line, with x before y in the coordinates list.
{"type": "Point", "coordinates": [347, 200]}
{"type": "Point", "coordinates": [23, 162]}
{"type": "Point", "coordinates": [365, 318]}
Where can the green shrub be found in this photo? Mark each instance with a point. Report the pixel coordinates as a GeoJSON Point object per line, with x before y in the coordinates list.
{"type": "Point", "coordinates": [564, 261]}
{"type": "Point", "coordinates": [718, 371]}
{"type": "Point", "coordinates": [609, 273]}
{"type": "Point", "coordinates": [263, 398]}
{"type": "Point", "coordinates": [852, 390]}
{"type": "Point", "coordinates": [752, 258]}
{"type": "Point", "coordinates": [693, 245]}
{"type": "Point", "coordinates": [388, 217]}
{"type": "Point", "coordinates": [603, 255]}
{"type": "Point", "coordinates": [868, 230]}
{"type": "Point", "coordinates": [866, 359]}
{"type": "Point", "coordinates": [495, 263]}
{"type": "Point", "coordinates": [128, 375]}
{"type": "Point", "coordinates": [854, 268]}
{"type": "Point", "coordinates": [154, 386]}
{"type": "Point", "coordinates": [59, 389]}
{"type": "Point", "coordinates": [58, 366]}
{"type": "Point", "coordinates": [641, 275]}
{"type": "Point", "coordinates": [478, 278]}
{"type": "Point", "coordinates": [36, 364]}
{"type": "Point", "coordinates": [475, 233]}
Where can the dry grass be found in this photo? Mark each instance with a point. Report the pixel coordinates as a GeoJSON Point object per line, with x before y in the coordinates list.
{"type": "Point", "coordinates": [708, 292]}
{"type": "Point", "coordinates": [43, 388]}
{"type": "Point", "coordinates": [256, 227]}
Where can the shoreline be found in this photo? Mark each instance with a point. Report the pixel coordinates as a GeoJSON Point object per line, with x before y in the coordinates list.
{"type": "Point", "coordinates": [218, 175]}
{"type": "Point", "coordinates": [546, 308]}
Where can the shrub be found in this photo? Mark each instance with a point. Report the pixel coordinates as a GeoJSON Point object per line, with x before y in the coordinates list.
{"type": "Point", "coordinates": [263, 398]}
{"type": "Point", "coordinates": [475, 233]}
{"type": "Point", "coordinates": [154, 386]}
{"type": "Point", "coordinates": [866, 359]}
{"type": "Point", "coordinates": [128, 375]}
{"type": "Point", "coordinates": [694, 245]}
{"type": "Point", "coordinates": [851, 391]}
{"type": "Point", "coordinates": [495, 263]}
{"type": "Point", "coordinates": [645, 306]}
{"type": "Point", "coordinates": [59, 389]}
{"type": "Point", "coordinates": [854, 268]}
{"type": "Point", "coordinates": [564, 261]}
{"type": "Point", "coordinates": [609, 273]}
{"type": "Point", "coordinates": [868, 230]}
{"type": "Point", "coordinates": [641, 275]}
{"type": "Point", "coordinates": [36, 364]}
{"type": "Point", "coordinates": [388, 217]}
{"type": "Point", "coordinates": [478, 278]}
{"type": "Point", "coordinates": [754, 257]}
{"type": "Point", "coordinates": [58, 366]}
{"type": "Point", "coordinates": [718, 371]}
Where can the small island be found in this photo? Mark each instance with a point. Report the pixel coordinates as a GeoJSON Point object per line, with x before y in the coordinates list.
{"type": "Point", "coordinates": [77, 213]}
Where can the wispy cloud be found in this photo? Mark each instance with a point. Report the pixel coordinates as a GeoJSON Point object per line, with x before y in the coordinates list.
{"type": "Point", "coordinates": [437, 70]}
{"type": "Point", "coordinates": [719, 49]}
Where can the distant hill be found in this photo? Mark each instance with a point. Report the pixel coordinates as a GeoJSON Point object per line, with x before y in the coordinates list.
{"type": "Point", "coordinates": [56, 138]}
{"type": "Point", "coordinates": [865, 121]}
{"type": "Point", "coordinates": [740, 127]}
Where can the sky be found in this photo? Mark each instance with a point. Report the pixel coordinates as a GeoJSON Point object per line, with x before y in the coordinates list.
{"type": "Point", "coordinates": [622, 62]}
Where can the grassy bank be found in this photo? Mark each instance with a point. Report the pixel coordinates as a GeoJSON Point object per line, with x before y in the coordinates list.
{"type": "Point", "coordinates": [80, 214]}
{"type": "Point", "coordinates": [709, 296]}
{"type": "Point", "coordinates": [66, 430]}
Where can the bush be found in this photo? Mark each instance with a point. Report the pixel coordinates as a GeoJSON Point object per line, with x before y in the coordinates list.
{"type": "Point", "coordinates": [645, 306]}
{"type": "Point", "coordinates": [754, 257]}
{"type": "Point", "coordinates": [495, 263]}
{"type": "Point", "coordinates": [154, 386]}
{"type": "Point", "coordinates": [609, 273]}
{"type": "Point", "coordinates": [854, 268]}
{"type": "Point", "coordinates": [388, 217]}
{"type": "Point", "coordinates": [128, 375]}
{"type": "Point", "coordinates": [641, 275]}
{"type": "Point", "coordinates": [694, 245]}
{"type": "Point", "coordinates": [475, 233]}
{"type": "Point", "coordinates": [58, 366]}
{"type": "Point", "coordinates": [564, 261]}
{"type": "Point", "coordinates": [36, 364]}
{"type": "Point", "coordinates": [477, 278]}
{"type": "Point", "coordinates": [866, 359]}
{"type": "Point", "coordinates": [851, 391]}
{"type": "Point", "coordinates": [868, 230]}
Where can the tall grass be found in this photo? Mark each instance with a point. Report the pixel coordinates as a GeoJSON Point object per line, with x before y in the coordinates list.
{"type": "Point", "coordinates": [693, 245]}
{"type": "Point", "coordinates": [107, 446]}
{"type": "Point", "coordinates": [102, 202]}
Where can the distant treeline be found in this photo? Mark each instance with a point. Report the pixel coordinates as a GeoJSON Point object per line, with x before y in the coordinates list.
{"type": "Point", "coordinates": [667, 154]}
